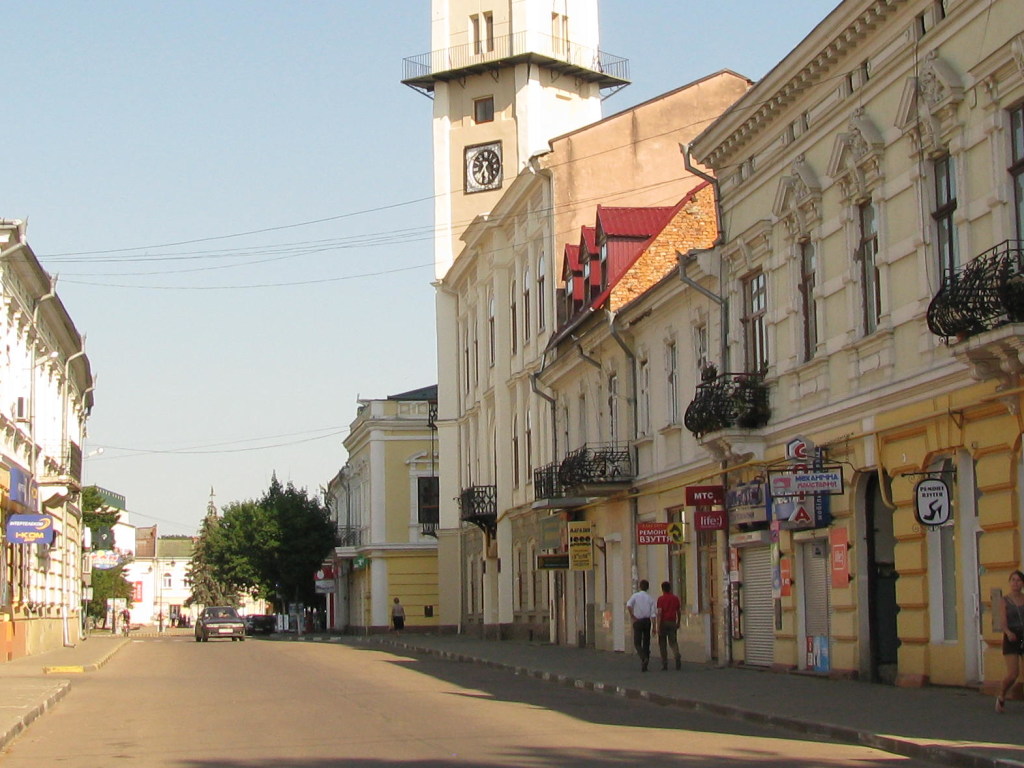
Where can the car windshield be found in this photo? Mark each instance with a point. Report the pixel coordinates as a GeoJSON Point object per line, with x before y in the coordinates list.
{"type": "Point", "coordinates": [221, 613]}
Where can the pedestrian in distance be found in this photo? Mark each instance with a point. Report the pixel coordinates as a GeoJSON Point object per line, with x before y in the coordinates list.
{"type": "Point", "coordinates": [668, 612]}
{"type": "Point", "coordinates": [1011, 610]}
{"type": "Point", "coordinates": [641, 609]}
{"type": "Point", "coordinates": [398, 616]}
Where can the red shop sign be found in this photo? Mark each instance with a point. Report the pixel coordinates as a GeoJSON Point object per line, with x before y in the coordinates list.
{"type": "Point", "coordinates": [705, 495]}
{"type": "Point", "coordinates": [708, 519]}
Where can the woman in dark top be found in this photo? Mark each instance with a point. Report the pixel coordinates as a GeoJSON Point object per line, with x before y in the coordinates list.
{"type": "Point", "coordinates": [1011, 608]}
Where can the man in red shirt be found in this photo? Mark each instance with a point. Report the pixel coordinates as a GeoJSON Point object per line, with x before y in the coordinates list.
{"type": "Point", "coordinates": [669, 609]}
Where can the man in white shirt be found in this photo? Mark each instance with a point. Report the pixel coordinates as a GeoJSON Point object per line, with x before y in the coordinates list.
{"type": "Point", "coordinates": [641, 607]}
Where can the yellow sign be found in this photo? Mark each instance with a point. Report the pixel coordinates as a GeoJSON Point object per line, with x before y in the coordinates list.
{"type": "Point", "coordinates": [581, 546]}
{"type": "Point", "coordinates": [676, 532]}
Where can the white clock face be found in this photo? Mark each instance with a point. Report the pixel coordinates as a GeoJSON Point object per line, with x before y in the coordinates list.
{"type": "Point", "coordinates": [483, 167]}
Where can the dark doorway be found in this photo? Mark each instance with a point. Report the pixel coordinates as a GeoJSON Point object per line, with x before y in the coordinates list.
{"type": "Point", "coordinates": [882, 575]}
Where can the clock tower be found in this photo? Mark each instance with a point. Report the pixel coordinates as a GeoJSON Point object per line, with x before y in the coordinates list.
{"type": "Point", "coordinates": [505, 76]}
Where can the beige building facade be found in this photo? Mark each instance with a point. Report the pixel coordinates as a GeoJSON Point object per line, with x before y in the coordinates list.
{"type": "Point", "coordinates": [384, 502]}
{"type": "Point", "coordinates": [871, 188]}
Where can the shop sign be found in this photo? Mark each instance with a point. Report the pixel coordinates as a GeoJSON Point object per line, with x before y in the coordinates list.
{"type": "Point", "coordinates": [105, 559]}
{"type": "Point", "coordinates": [800, 480]}
{"type": "Point", "coordinates": [359, 562]}
{"type": "Point", "coordinates": [931, 502]}
{"type": "Point", "coordinates": [652, 533]}
{"type": "Point", "coordinates": [551, 532]}
{"type": "Point", "coordinates": [559, 562]}
{"type": "Point", "coordinates": [705, 495]}
{"type": "Point", "coordinates": [839, 543]}
{"type": "Point", "coordinates": [786, 576]}
{"type": "Point", "coordinates": [581, 545]}
{"type": "Point", "coordinates": [745, 495]}
{"type": "Point", "coordinates": [748, 538]}
{"type": "Point", "coordinates": [30, 529]}
{"type": "Point", "coordinates": [136, 591]}
{"type": "Point", "coordinates": [23, 488]}
{"type": "Point", "coordinates": [324, 586]}
{"type": "Point", "coordinates": [803, 511]}
{"type": "Point", "coordinates": [710, 519]}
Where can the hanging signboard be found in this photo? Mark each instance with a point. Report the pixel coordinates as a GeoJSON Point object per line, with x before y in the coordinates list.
{"type": "Point", "coordinates": [30, 529]}
{"type": "Point", "coordinates": [652, 533]}
{"type": "Point", "coordinates": [931, 502]}
{"type": "Point", "coordinates": [105, 559]}
{"type": "Point", "coordinates": [581, 545]}
{"type": "Point", "coordinates": [839, 542]}
{"type": "Point", "coordinates": [705, 495]}
{"type": "Point", "coordinates": [559, 562]}
{"type": "Point", "coordinates": [710, 519]}
{"type": "Point", "coordinates": [802, 480]}
{"type": "Point", "coordinates": [552, 532]}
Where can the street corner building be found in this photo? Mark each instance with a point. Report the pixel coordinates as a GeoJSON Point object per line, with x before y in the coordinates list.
{"type": "Point", "coordinates": [46, 395]}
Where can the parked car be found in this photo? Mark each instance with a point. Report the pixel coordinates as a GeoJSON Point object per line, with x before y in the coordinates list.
{"type": "Point", "coordinates": [260, 624]}
{"type": "Point", "coordinates": [219, 621]}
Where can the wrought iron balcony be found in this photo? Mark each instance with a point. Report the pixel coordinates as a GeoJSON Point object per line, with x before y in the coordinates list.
{"type": "Point", "coordinates": [609, 72]}
{"type": "Point", "coordinates": [728, 400]}
{"type": "Point", "coordinates": [546, 484]}
{"type": "Point", "coordinates": [478, 505]}
{"type": "Point", "coordinates": [983, 294]}
{"type": "Point", "coordinates": [597, 470]}
{"type": "Point", "coordinates": [349, 536]}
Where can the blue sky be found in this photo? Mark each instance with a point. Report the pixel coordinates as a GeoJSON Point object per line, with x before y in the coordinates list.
{"type": "Point", "coordinates": [143, 140]}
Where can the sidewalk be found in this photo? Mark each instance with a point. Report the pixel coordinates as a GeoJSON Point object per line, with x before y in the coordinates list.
{"type": "Point", "coordinates": [948, 725]}
{"type": "Point", "coordinates": [32, 684]}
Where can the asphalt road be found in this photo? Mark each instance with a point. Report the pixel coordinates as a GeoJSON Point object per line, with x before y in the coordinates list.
{"type": "Point", "coordinates": [276, 704]}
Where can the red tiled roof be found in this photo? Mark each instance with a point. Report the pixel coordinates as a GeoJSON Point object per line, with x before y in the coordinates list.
{"type": "Point", "coordinates": [588, 239]}
{"type": "Point", "coordinates": [633, 222]}
{"type": "Point", "coordinates": [572, 258]}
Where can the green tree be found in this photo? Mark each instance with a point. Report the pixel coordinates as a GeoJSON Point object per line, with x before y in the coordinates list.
{"type": "Point", "coordinates": [209, 584]}
{"type": "Point", "coordinates": [271, 548]}
{"type": "Point", "coordinates": [307, 536]}
{"type": "Point", "coordinates": [109, 583]}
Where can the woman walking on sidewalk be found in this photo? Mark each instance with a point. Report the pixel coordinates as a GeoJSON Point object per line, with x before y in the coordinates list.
{"type": "Point", "coordinates": [1011, 609]}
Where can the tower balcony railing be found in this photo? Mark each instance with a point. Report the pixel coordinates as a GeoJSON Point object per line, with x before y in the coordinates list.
{"type": "Point", "coordinates": [478, 504]}
{"type": "Point", "coordinates": [449, 63]}
{"type": "Point", "coordinates": [728, 400]}
{"type": "Point", "coordinates": [983, 294]}
{"type": "Point", "coordinates": [597, 469]}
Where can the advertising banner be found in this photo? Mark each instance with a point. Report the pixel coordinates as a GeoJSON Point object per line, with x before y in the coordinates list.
{"type": "Point", "coordinates": [581, 545]}
{"type": "Point", "coordinates": [652, 533]}
{"type": "Point", "coordinates": [23, 488]}
{"type": "Point", "coordinates": [30, 529]}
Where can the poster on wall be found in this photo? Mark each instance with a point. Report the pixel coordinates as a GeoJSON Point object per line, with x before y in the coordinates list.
{"type": "Point", "coordinates": [581, 545]}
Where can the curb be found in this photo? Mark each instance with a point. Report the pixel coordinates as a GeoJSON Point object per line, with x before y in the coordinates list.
{"type": "Point", "coordinates": [76, 669]}
{"type": "Point", "coordinates": [14, 731]}
{"type": "Point", "coordinates": [885, 743]}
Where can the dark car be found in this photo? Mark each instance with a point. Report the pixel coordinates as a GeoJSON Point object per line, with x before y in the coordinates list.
{"type": "Point", "coordinates": [260, 624]}
{"type": "Point", "coordinates": [219, 621]}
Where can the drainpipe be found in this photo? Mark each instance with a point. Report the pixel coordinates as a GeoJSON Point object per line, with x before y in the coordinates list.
{"type": "Point", "coordinates": [65, 607]}
{"type": "Point", "coordinates": [722, 537]}
{"type": "Point", "coordinates": [691, 256]}
{"type": "Point", "coordinates": [634, 503]}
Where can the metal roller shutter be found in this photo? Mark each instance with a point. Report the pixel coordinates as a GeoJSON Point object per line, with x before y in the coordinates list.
{"type": "Point", "coordinates": [815, 588]}
{"type": "Point", "coordinates": [758, 606]}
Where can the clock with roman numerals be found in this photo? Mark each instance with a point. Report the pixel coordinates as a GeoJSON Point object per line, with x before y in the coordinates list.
{"type": "Point", "coordinates": [483, 167]}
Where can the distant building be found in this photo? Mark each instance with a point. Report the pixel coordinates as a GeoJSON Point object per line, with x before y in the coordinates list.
{"type": "Point", "coordinates": [384, 502]}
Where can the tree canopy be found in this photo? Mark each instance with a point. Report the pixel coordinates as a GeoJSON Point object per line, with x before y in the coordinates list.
{"type": "Point", "coordinates": [270, 548]}
{"type": "Point", "coordinates": [109, 583]}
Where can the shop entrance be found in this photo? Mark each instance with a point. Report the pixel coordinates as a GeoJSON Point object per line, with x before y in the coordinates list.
{"type": "Point", "coordinates": [882, 575]}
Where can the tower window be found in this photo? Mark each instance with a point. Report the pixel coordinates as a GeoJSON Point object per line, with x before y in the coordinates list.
{"type": "Point", "coordinates": [483, 110]}
{"type": "Point", "coordinates": [481, 28]}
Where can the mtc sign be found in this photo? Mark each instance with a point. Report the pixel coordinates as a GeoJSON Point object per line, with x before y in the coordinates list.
{"type": "Point", "coordinates": [705, 495]}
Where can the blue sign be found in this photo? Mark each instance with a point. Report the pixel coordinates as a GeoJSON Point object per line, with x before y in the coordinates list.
{"type": "Point", "coordinates": [23, 488]}
{"type": "Point", "coordinates": [30, 529]}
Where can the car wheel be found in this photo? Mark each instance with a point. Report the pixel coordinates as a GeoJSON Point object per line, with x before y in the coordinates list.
{"type": "Point", "coordinates": [241, 639]}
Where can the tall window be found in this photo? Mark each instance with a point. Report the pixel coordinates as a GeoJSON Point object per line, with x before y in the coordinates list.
{"type": "Point", "coordinates": [528, 437]}
{"type": "Point", "coordinates": [672, 376]}
{"type": "Point", "coordinates": [526, 303]}
{"type": "Point", "coordinates": [582, 434]}
{"type": "Point", "coordinates": [613, 408]}
{"type": "Point", "coordinates": [481, 29]}
{"type": "Point", "coordinates": [565, 430]}
{"type": "Point", "coordinates": [585, 258]}
{"type": "Point", "coordinates": [644, 398]}
{"type": "Point", "coordinates": [808, 307]}
{"type": "Point", "coordinates": [559, 33]}
{"type": "Point", "coordinates": [1017, 168]}
{"type": "Point", "coordinates": [755, 305]}
{"type": "Point", "coordinates": [700, 347]}
{"type": "Point", "coordinates": [542, 270]}
{"type": "Point", "coordinates": [867, 254]}
{"type": "Point", "coordinates": [945, 205]}
{"type": "Point", "coordinates": [492, 341]}
{"type": "Point", "coordinates": [515, 451]}
{"type": "Point", "coordinates": [465, 360]}
{"type": "Point", "coordinates": [513, 317]}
